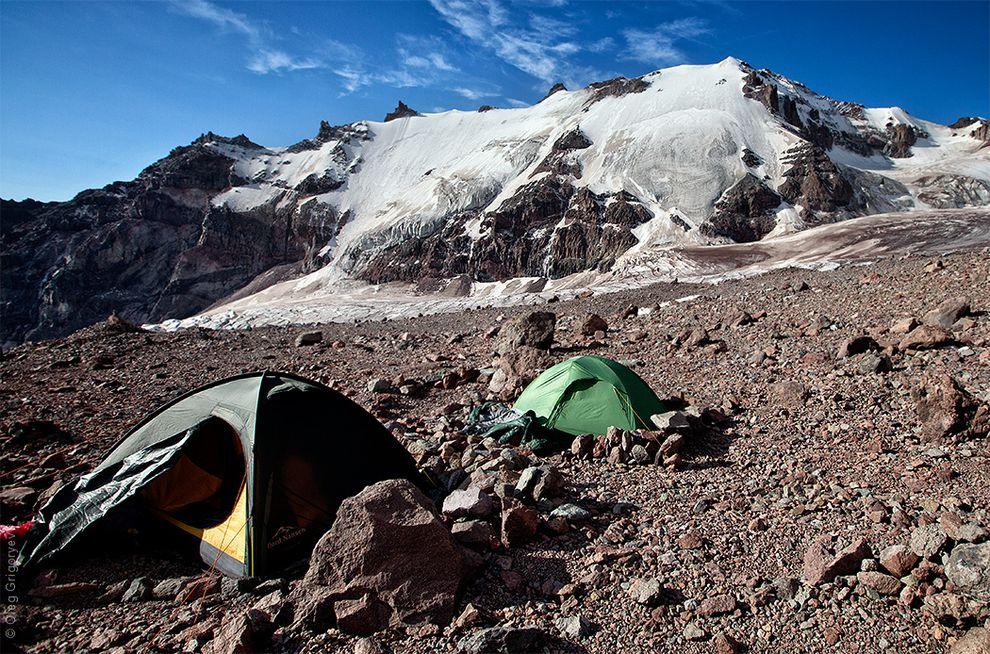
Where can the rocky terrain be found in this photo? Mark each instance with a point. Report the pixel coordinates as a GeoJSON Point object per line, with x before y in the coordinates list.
{"type": "Point", "coordinates": [581, 181]}
{"type": "Point", "coordinates": [822, 485]}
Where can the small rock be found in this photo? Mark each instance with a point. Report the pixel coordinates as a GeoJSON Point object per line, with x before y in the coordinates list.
{"type": "Point", "coordinates": [927, 541]}
{"type": "Point", "coordinates": [582, 446]}
{"type": "Point", "coordinates": [593, 323]}
{"type": "Point", "coordinates": [974, 641]}
{"type": "Point", "coordinates": [820, 565]}
{"type": "Point", "coordinates": [880, 582]}
{"type": "Point", "coordinates": [718, 605]}
{"type": "Point", "coordinates": [242, 632]}
{"type": "Point", "coordinates": [693, 632]}
{"type": "Point", "coordinates": [137, 591]}
{"type": "Point", "coordinates": [504, 640]}
{"type": "Point", "coordinates": [519, 523]}
{"type": "Point", "coordinates": [309, 338]}
{"type": "Point", "coordinates": [646, 591]}
{"type": "Point", "coordinates": [471, 502]}
{"type": "Point", "coordinates": [473, 533]}
{"type": "Point", "coordinates": [924, 337]}
{"type": "Point", "coordinates": [378, 385]}
{"type": "Point", "coordinates": [898, 560]}
{"type": "Point", "coordinates": [540, 483]}
{"type": "Point", "coordinates": [572, 513]}
{"type": "Point", "coordinates": [947, 313]}
{"type": "Point", "coordinates": [726, 644]}
{"type": "Point", "coordinates": [671, 421]}
{"type": "Point", "coordinates": [574, 627]}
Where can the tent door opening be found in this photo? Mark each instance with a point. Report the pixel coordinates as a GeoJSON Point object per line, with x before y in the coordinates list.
{"type": "Point", "coordinates": [202, 489]}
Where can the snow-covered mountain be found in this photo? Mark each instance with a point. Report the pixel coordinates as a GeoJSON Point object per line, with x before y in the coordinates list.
{"type": "Point", "coordinates": [585, 180]}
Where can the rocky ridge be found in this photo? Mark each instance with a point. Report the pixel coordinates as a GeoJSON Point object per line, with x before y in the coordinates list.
{"type": "Point", "coordinates": [558, 189]}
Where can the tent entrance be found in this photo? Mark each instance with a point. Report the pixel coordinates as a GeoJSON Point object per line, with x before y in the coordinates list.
{"type": "Point", "coordinates": [203, 487]}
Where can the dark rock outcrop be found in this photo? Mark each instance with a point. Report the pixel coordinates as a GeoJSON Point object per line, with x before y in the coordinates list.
{"type": "Point", "coordinates": [559, 86]}
{"type": "Point", "coordinates": [750, 158]}
{"type": "Point", "coordinates": [559, 161]}
{"type": "Point", "coordinates": [548, 228]}
{"type": "Point", "coordinates": [744, 213]}
{"type": "Point", "coordinates": [617, 87]}
{"type": "Point", "coordinates": [982, 132]}
{"type": "Point", "coordinates": [964, 121]}
{"type": "Point", "coordinates": [148, 249]}
{"type": "Point", "coordinates": [402, 110]}
{"type": "Point", "coordinates": [814, 181]}
{"type": "Point", "coordinates": [901, 138]}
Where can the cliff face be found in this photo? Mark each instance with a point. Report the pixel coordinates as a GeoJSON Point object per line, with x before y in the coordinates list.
{"type": "Point", "coordinates": [146, 249]}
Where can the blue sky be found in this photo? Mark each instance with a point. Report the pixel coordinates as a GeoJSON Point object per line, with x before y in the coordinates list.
{"type": "Point", "coordinates": [92, 92]}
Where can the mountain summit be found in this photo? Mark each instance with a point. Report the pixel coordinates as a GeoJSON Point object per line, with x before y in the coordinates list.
{"type": "Point", "coordinates": [584, 180]}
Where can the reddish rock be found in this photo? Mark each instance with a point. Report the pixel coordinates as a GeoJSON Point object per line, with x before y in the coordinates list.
{"type": "Point", "coordinates": [925, 337]}
{"type": "Point", "coordinates": [726, 644]}
{"type": "Point", "coordinates": [718, 605]}
{"type": "Point", "coordinates": [388, 542]}
{"type": "Point", "coordinates": [533, 329]}
{"type": "Point", "coordinates": [242, 632]}
{"type": "Point", "coordinates": [363, 616]}
{"type": "Point", "coordinates": [974, 641]}
{"type": "Point", "coordinates": [822, 565]}
{"type": "Point", "coordinates": [59, 590]}
{"type": "Point", "coordinates": [898, 560]}
{"type": "Point", "coordinates": [519, 522]}
{"type": "Point", "coordinates": [947, 313]}
{"type": "Point", "coordinates": [856, 345]}
{"type": "Point", "coordinates": [593, 323]}
{"type": "Point", "coordinates": [199, 588]}
{"type": "Point", "coordinates": [947, 410]}
{"type": "Point", "coordinates": [880, 582]}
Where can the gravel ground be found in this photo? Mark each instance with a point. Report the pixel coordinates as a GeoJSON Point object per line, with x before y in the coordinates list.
{"type": "Point", "coordinates": [813, 445]}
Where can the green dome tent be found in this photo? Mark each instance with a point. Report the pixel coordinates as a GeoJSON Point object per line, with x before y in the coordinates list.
{"type": "Point", "coordinates": [250, 471]}
{"type": "Point", "coordinates": [589, 394]}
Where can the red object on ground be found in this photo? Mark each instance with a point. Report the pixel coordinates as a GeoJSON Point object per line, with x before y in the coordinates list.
{"type": "Point", "coordinates": [15, 532]}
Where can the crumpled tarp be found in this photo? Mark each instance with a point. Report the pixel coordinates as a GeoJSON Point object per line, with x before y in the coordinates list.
{"type": "Point", "coordinates": [75, 509]}
{"type": "Point", "coordinates": [511, 427]}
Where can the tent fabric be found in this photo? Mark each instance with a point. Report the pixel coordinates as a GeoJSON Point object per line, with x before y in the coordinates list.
{"type": "Point", "coordinates": [589, 394]}
{"type": "Point", "coordinates": [285, 450]}
{"type": "Point", "coordinates": [511, 427]}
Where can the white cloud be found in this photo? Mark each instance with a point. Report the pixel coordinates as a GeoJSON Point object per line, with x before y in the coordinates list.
{"type": "Point", "coordinates": [658, 46]}
{"type": "Point", "coordinates": [473, 94]}
{"type": "Point", "coordinates": [276, 61]}
{"type": "Point", "coordinates": [265, 58]}
{"type": "Point", "coordinates": [541, 46]}
{"type": "Point", "coordinates": [225, 19]}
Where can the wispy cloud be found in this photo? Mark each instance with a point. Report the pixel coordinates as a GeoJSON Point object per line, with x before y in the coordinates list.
{"type": "Point", "coordinates": [264, 58]}
{"type": "Point", "coordinates": [473, 94]}
{"type": "Point", "coordinates": [275, 61]}
{"type": "Point", "coordinates": [540, 46]}
{"type": "Point", "coordinates": [658, 47]}
{"type": "Point", "coordinates": [225, 19]}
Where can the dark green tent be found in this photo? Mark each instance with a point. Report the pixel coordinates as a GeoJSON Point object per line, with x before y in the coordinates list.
{"type": "Point", "coordinates": [589, 394]}
{"type": "Point", "coordinates": [250, 469]}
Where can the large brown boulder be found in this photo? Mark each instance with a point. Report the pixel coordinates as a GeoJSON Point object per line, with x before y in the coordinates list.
{"type": "Point", "coordinates": [947, 411]}
{"type": "Point", "coordinates": [534, 329]}
{"type": "Point", "coordinates": [387, 561]}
